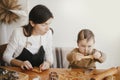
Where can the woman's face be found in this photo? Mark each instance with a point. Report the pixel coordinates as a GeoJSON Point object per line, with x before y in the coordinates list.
{"type": "Point", "coordinates": [86, 47]}
{"type": "Point", "coordinates": [41, 29]}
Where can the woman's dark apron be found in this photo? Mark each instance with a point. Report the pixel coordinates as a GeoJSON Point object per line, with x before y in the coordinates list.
{"type": "Point", "coordinates": [34, 59]}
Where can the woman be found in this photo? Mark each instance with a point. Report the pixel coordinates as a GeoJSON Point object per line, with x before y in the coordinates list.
{"type": "Point", "coordinates": [31, 45]}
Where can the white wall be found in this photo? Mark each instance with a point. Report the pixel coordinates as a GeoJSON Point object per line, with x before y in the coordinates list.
{"type": "Point", "coordinates": [101, 16]}
{"type": "Point", "coordinates": [6, 29]}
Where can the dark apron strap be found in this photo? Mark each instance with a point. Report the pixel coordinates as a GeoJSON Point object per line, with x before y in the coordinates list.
{"type": "Point", "coordinates": [38, 58]}
{"type": "Point", "coordinates": [25, 55]}
{"type": "Point", "coordinates": [35, 59]}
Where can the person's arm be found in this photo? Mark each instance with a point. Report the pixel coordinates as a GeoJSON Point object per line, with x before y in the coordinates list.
{"type": "Point", "coordinates": [48, 52]}
{"type": "Point", "coordinates": [22, 64]}
{"type": "Point", "coordinates": [11, 47]}
{"type": "Point", "coordinates": [74, 56]}
{"type": "Point", "coordinates": [16, 62]}
{"type": "Point", "coordinates": [70, 57]}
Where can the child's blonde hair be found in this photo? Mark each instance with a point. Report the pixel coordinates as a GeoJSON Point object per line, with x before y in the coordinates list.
{"type": "Point", "coordinates": [85, 34]}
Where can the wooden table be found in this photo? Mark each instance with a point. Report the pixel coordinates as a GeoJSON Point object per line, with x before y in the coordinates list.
{"type": "Point", "coordinates": [45, 74]}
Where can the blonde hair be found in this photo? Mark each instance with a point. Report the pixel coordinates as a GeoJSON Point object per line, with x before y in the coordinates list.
{"type": "Point", "coordinates": [85, 34]}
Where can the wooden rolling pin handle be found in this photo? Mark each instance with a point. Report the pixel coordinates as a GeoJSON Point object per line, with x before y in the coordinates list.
{"type": "Point", "coordinates": [104, 74]}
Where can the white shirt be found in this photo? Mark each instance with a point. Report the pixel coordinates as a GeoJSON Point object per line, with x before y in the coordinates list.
{"type": "Point", "coordinates": [18, 41]}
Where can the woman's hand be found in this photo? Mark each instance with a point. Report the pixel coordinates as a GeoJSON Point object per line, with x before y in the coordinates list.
{"type": "Point", "coordinates": [23, 64]}
{"type": "Point", "coordinates": [26, 65]}
{"type": "Point", "coordinates": [45, 65]}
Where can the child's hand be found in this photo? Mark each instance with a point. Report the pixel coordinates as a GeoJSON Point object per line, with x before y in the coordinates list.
{"type": "Point", "coordinates": [97, 55]}
{"type": "Point", "coordinates": [77, 57]}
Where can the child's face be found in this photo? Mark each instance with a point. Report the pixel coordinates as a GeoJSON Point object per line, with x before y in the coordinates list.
{"type": "Point", "coordinates": [86, 47]}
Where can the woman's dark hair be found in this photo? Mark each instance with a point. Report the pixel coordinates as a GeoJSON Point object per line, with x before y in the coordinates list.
{"type": "Point", "coordinates": [39, 14]}
{"type": "Point", "coordinates": [85, 34]}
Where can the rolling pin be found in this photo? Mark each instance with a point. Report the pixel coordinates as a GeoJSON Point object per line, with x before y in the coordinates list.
{"type": "Point", "coordinates": [104, 74]}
